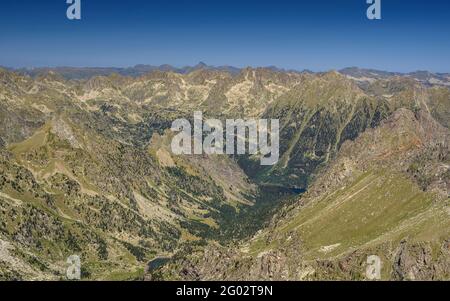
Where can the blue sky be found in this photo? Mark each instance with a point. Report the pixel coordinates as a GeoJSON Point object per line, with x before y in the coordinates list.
{"type": "Point", "coordinates": [315, 34]}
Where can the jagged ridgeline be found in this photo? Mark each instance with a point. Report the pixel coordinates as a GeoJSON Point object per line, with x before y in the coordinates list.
{"type": "Point", "coordinates": [86, 166]}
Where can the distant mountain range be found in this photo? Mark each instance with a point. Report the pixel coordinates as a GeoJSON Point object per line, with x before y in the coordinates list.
{"type": "Point", "coordinates": [360, 74]}
{"type": "Point", "coordinates": [138, 70]}
{"type": "Point", "coordinates": [424, 77]}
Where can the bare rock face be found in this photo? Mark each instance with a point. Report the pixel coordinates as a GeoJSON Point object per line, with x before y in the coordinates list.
{"type": "Point", "coordinates": [414, 261]}
{"type": "Point", "coordinates": [64, 132]}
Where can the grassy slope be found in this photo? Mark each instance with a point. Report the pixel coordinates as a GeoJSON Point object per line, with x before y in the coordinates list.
{"type": "Point", "coordinates": [379, 206]}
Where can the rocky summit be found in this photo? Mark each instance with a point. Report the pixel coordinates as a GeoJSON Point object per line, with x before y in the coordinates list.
{"type": "Point", "coordinates": [86, 169]}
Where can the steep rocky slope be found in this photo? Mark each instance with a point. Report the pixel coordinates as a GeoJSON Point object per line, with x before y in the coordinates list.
{"type": "Point", "coordinates": [385, 194]}
{"type": "Point", "coordinates": [316, 117]}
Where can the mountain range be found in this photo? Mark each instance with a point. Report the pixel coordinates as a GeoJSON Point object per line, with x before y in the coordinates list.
{"type": "Point", "coordinates": [86, 169]}
{"type": "Point", "coordinates": [358, 74]}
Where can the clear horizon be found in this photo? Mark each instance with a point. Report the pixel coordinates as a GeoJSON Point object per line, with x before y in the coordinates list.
{"type": "Point", "coordinates": [294, 35]}
{"type": "Point", "coordinates": [218, 66]}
